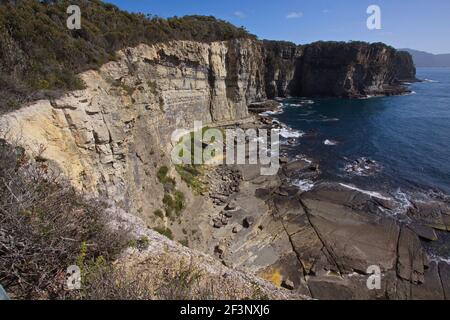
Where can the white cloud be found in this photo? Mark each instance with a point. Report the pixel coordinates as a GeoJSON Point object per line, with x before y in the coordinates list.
{"type": "Point", "coordinates": [240, 14]}
{"type": "Point", "coordinates": [294, 15]}
{"type": "Point", "coordinates": [326, 11]}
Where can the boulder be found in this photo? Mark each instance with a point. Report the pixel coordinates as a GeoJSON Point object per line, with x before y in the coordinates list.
{"type": "Point", "coordinates": [284, 160]}
{"type": "Point", "coordinates": [228, 213]}
{"type": "Point", "coordinates": [231, 206]}
{"type": "Point", "coordinates": [432, 213]}
{"type": "Point", "coordinates": [248, 222]}
{"type": "Point", "coordinates": [220, 249]}
{"type": "Point", "coordinates": [295, 166]}
{"type": "Point", "coordinates": [292, 141]}
{"type": "Point", "coordinates": [424, 232]}
{"type": "Point", "coordinates": [263, 193]}
{"type": "Point", "coordinates": [217, 223]}
{"type": "Point", "coordinates": [237, 229]}
{"type": "Point", "coordinates": [282, 192]}
{"type": "Point", "coordinates": [287, 284]}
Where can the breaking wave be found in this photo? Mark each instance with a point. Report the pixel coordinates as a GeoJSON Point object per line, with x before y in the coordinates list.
{"type": "Point", "coordinates": [328, 142]}
{"type": "Point", "coordinates": [304, 185]}
{"type": "Point", "coordinates": [373, 194]}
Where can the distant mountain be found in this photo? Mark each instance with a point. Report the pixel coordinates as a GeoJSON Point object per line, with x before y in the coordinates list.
{"type": "Point", "coordinates": [425, 59]}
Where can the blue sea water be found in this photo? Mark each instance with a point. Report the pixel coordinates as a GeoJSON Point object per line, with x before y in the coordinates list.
{"type": "Point", "coordinates": [408, 136]}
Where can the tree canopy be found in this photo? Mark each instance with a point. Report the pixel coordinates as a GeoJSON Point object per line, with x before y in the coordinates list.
{"type": "Point", "coordinates": [40, 56]}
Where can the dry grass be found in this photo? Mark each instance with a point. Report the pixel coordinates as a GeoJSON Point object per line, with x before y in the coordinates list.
{"type": "Point", "coordinates": [46, 226]}
{"type": "Point", "coordinates": [43, 226]}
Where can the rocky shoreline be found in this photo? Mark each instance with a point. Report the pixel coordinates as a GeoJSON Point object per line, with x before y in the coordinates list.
{"type": "Point", "coordinates": [112, 139]}
{"type": "Point", "coordinates": [320, 241]}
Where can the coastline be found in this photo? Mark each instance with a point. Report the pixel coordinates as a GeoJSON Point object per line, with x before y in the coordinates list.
{"type": "Point", "coordinates": [278, 227]}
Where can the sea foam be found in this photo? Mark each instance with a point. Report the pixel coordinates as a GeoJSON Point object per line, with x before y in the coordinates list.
{"type": "Point", "coordinates": [287, 133]}
{"type": "Point", "coordinates": [304, 185]}
{"type": "Point", "coordinates": [330, 142]}
{"type": "Point", "coordinates": [370, 193]}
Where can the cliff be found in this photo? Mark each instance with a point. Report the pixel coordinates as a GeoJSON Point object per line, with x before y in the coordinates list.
{"type": "Point", "coordinates": [110, 138]}
{"type": "Point", "coordinates": [350, 70]}
{"type": "Point", "coordinates": [404, 67]}
{"type": "Point", "coordinates": [279, 62]}
{"type": "Point", "coordinates": [33, 68]}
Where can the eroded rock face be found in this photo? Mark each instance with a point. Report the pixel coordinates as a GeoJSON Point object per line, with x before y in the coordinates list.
{"type": "Point", "coordinates": [335, 69]}
{"type": "Point", "coordinates": [404, 65]}
{"type": "Point", "coordinates": [350, 70]}
{"type": "Point", "coordinates": [280, 65]}
{"type": "Point", "coordinates": [110, 138]}
{"type": "Point", "coordinates": [107, 138]}
{"type": "Point", "coordinates": [357, 240]}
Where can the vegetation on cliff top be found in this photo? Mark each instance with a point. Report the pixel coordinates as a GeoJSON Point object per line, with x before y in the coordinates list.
{"type": "Point", "coordinates": [40, 56]}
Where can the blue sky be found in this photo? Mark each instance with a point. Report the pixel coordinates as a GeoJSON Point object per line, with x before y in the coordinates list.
{"type": "Point", "coordinates": [417, 24]}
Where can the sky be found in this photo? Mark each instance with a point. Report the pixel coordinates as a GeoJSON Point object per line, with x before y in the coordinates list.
{"type": "Point", "coordinates": [416, 24]}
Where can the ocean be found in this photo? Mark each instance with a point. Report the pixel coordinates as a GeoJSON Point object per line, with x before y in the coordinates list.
{"type": "Point", "coordinates": [379, 143]}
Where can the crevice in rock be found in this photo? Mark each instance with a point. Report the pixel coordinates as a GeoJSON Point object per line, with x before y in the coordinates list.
{"type": "Point", "coordinates": [410, 285]}
{"type": "Point", "coordinates": [330, 253]}
{"type": "Point", "coordinates": [304, 273]}
{"type": "Point", "coordinates": [442, 282]}
{"type": "Point", "coordinates": [211, 82]}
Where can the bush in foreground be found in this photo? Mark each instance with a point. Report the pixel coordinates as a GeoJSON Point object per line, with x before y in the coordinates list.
{"type": "Point", "coordinates": [44, 227]}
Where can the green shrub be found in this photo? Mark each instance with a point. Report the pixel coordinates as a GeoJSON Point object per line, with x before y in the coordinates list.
{"type": "Point", "coordinates": [162, 173]}
{"type": "Point", "coordinates": [165, 232]}
{"type": "Point", "coordinates": [191, 174]}
{"type": "Point", "coordinates": [173, 204]}
{"type": "Point", "coordinates": [159, 213]}
{"type": "Point", "coordinates": [185, 242]}
{"type": "Point", "coordinates": [178, 201]}
{"type": "Point", "coordinates": [142, 243]}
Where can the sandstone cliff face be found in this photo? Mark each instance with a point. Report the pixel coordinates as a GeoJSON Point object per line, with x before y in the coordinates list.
{"type": "Point", "coordinates": [349, 70]}
{"type": "Point", "coordinates": [280, 60]}
{"type": "Point", "coordinates": [110, 138]}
